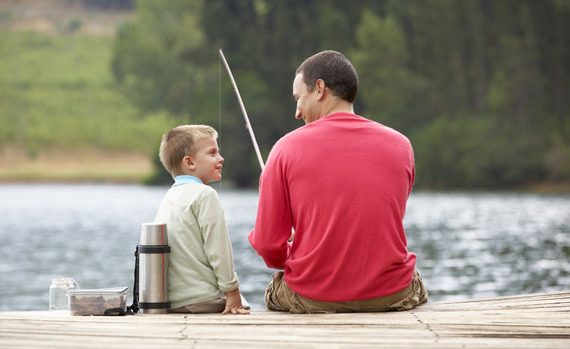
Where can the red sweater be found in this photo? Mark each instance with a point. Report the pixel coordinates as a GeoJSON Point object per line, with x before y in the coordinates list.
{"type": "Point", "coordinates": [342, 183]}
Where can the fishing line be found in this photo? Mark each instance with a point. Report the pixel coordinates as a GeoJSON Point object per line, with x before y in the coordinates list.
{"type": "Point", "coordinates": [220, 111]}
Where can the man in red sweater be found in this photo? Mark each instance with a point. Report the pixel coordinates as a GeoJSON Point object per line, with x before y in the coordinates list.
{"type": "Point", "coordinates": [341, 183]}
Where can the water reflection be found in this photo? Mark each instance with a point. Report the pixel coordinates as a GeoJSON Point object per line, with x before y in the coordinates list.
{"type": "Point", "coordinates": [468, 245]}
{"type": "Point", "coordinates": [475, 245]}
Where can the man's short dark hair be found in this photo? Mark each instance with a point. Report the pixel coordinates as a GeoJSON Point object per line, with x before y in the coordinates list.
{"type": "Point", "coordinates": [335, 70]}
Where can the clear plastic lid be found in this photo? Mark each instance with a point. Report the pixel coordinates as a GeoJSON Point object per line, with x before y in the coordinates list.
{"type": "Point", "coordinates": [110, 290]}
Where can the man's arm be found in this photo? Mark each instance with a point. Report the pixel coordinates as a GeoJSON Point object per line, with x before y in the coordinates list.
{"type": "Point", "coordinates": [274, 219]}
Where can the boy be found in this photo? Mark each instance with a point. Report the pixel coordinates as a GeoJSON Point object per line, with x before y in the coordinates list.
{"type": "Point", "coordinates": [201, 277]}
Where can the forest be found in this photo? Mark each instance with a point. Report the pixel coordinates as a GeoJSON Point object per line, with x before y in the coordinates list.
{"type": "Point", "coordinates": [481, 87]}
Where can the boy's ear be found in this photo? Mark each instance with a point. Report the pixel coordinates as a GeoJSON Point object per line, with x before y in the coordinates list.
{"type": "Point", "coordinates": [188, 162]}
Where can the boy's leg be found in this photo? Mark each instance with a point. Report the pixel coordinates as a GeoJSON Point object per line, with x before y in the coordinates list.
{"type": "Point", "coordinates": [244, 302]}
{"type": "Point", "coordinates": [215, 306]}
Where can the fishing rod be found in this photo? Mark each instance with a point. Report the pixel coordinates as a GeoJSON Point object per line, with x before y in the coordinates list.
{"type": "Point", "coordinates": [247, 123]}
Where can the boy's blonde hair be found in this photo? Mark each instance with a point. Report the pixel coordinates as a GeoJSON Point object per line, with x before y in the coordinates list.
{"type": "Point", "coordinates": [181, 141]}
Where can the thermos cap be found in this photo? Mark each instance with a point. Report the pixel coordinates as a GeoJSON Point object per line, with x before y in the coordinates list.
{"type": "Point", "coordinates": [153, 234]}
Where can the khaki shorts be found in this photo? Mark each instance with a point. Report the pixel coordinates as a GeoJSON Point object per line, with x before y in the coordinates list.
{"type": "Point", "coordinates": [279, 297]}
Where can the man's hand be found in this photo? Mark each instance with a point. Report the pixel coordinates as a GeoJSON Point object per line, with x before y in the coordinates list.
{"type": "Point", "coordinates": [233, 303]}
{"type": "Point", "coordinates": [292, 236]}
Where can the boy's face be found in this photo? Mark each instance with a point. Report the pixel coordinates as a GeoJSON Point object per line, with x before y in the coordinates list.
{"type": "Point", "coordinates": [207, 162]}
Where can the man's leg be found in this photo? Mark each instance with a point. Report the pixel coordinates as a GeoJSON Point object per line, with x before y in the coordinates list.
{"type": "Point", "coordinates": [417, 295]}
{"type": "Point", "coordinates": [277, 294]}
{"type": "Point", "coordinates": [279, 297]}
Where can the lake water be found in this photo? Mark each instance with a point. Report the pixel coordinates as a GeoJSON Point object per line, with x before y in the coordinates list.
{"type": "Point", "coordinates": [468, 244]}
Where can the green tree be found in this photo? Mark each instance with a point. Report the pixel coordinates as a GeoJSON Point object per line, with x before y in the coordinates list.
{"type": "Point", "coordinates": [391, 93]}
{"type": "Point", "coordinates": [160, 61]}
{"type": "Point", "coordinates": [491, 77]}
{"type": "Point", "coordinates": [472, 152]}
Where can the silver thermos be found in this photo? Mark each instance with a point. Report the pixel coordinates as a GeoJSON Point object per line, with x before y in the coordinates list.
{"type": "Point", "coordinates": [153, 253]}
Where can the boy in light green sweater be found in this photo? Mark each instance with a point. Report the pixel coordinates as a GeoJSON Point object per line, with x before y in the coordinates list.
{"type": "Point", "coordinates": [201, 276]}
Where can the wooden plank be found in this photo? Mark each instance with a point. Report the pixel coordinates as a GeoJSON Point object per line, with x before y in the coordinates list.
{"type": "Point", "coordinates": [531, 321]}
{"type": "Point", "coordinates": [559, 301]}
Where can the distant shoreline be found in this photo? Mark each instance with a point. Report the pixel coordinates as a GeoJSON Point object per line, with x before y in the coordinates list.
{"type": "Point", "coordinates": [59, 17]}
{"type": "Point", "coordinates": [75, 167]}
{"type": "Point", "coordinates": [112, 172]}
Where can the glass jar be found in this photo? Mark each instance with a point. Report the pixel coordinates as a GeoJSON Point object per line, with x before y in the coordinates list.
{"type": "Point", "coordinates": [58, 293]}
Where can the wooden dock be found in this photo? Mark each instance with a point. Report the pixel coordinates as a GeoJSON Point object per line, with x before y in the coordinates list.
{"type": "Point", "coordinates": [530, 321]}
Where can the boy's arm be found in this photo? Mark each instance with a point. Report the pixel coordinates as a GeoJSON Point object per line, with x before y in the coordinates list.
{"type": "Point", "coordinates": [217, 243]}
{"type": "Point", "coordinates": [233, 303]}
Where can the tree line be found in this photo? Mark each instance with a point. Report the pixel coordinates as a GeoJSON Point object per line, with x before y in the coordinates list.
{"type": "Point", "coordinates": [480, 87]}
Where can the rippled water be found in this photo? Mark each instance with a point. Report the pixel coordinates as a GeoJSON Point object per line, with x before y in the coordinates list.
{"type": "Point", "coordinates": [468, 245]}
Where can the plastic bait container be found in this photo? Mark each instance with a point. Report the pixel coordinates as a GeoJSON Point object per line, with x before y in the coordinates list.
{"type": "Point", "coordinates": [99, 301]}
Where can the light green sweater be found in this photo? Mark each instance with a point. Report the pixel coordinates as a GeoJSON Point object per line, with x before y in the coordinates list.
{"type": "Point", "coordinates": [201, 259]}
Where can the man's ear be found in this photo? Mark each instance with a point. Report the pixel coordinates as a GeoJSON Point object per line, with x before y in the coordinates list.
{"type": "Point", "coordinates": [321, 89]}
{"type": "Point", "coordinates": [188, 162]}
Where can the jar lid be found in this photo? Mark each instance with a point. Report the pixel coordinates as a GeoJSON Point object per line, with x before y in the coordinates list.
{"type": "Point", "coordinates": [64, 281]}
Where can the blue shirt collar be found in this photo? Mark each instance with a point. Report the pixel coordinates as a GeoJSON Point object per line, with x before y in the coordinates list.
{"type": "Point", "coordinates": [185, 179]}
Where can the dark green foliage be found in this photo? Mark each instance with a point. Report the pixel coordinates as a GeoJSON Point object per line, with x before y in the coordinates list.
{"type": "Point", "coordinates": [481, 87]}
{"type": "Point", "coordinates": [473, 152]}
{"type": "Point", "coordinates": [160, 175]}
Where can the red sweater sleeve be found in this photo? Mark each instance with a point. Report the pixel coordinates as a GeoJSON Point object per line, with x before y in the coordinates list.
{"type": "Point", "coordinates": [274, 219]}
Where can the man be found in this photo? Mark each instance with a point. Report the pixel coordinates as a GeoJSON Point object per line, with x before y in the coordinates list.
{"type": "Point", "coordinates": [341, 182]}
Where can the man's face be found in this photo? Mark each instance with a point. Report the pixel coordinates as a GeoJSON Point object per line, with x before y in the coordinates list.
{"type": "Point", "coordinates": [307, 107]}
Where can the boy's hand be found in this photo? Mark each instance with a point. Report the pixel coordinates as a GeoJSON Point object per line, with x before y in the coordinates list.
{"type": "Point", "coordinates": [233, 303]}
